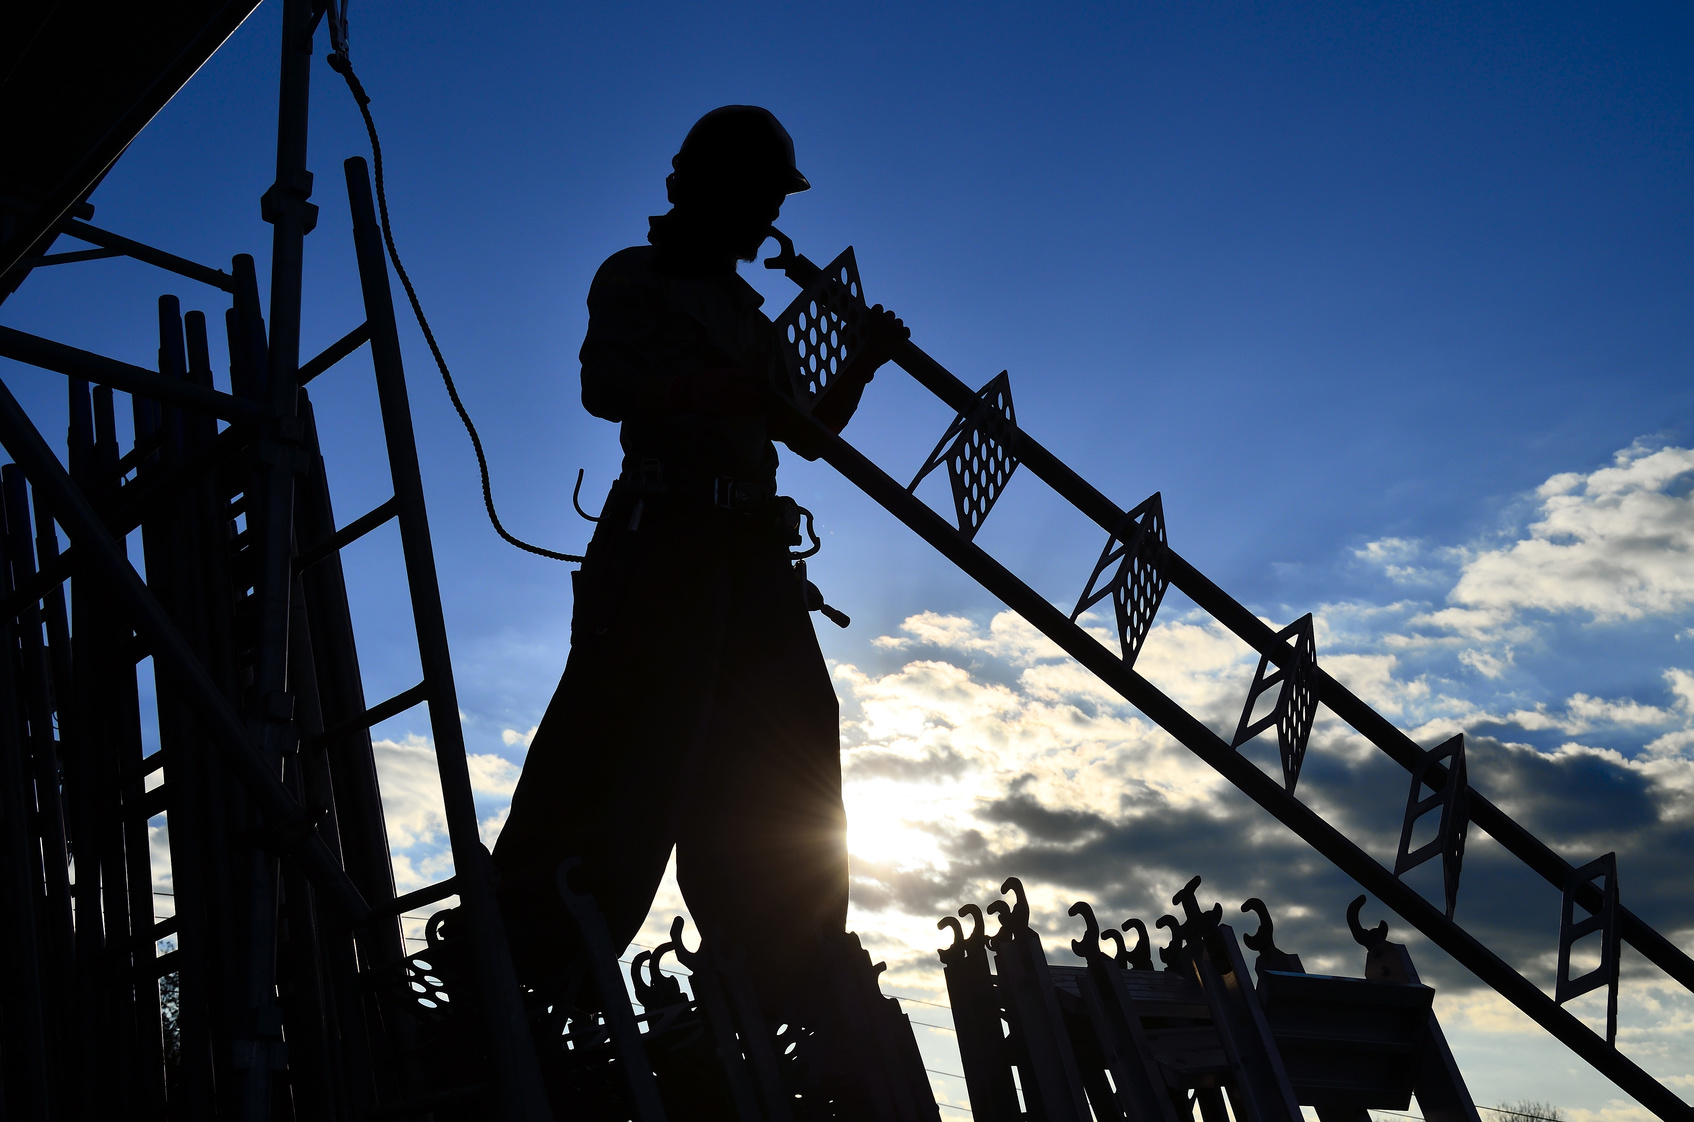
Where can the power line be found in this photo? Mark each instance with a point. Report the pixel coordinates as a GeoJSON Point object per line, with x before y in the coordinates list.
{"type": "Point", "coordinates": [1495, 1109]}
{"type": "Point", "coordinates": [921, 1001]}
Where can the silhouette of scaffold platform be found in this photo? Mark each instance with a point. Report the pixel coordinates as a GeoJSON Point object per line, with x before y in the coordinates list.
{"type": "Point", "coordinates": [295, 993]}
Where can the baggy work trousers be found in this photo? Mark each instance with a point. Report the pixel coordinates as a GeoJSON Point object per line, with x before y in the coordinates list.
{"type": "Point", "coordinates": [696, 711]}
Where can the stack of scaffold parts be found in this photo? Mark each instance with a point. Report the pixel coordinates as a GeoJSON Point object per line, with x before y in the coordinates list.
{"type": "Point", "coordinates": [657, 1050]}
{"type": "Point", "coordinates": [1119, 1038]}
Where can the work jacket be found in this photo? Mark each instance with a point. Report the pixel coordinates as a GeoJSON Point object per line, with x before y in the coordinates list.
{"type": "Point", "coordinates": [656, 314]}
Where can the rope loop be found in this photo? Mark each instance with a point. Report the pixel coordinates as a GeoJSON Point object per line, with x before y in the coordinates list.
{"type": "Point", "coordinates": [342, 65]}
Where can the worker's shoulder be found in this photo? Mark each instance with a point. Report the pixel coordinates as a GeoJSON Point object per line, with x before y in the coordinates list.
{"type": "Point", "coordinates": [626, 267]}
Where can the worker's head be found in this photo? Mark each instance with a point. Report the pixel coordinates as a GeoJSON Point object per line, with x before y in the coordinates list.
{"type": "Point", "coordinates": [735, 167]}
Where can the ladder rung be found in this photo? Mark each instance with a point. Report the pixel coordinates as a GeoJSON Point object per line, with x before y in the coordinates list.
{"type": "Point", "coordinates": [376, 714]}
{"type": "Point", "coordinates": [37, 585]}
{"type": "Point", "coordinates": [346, 536]}
{"type": "Point", "coordinates": [153, 803]}
{"type": "Point", "coordinates": [144, 447]}
{"type": "Point", "coordinates": [427, 895]}
{"type": "Point", "coordinates": [335, 352]}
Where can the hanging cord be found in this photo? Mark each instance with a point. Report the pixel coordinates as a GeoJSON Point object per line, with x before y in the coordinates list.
{"type": "Point", "coordinates": [339, 62]}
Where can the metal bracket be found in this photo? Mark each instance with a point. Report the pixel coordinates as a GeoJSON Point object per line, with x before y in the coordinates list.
{"type": "Point", "coordinates": [1171, 953]}
{"type": "Point", "coordinates": [1296, 705]}
{"type": "Point", "coordinates": [1604, 921]}
{"type": "Point", "coordinates": [1141, 958]}
{"type": "Point", "coordinates": [1271, 957]}
{"type": "Point", "coordinates": [1196, 924]}
{"type": "Point", "coordinates": [980, 451]}
{"type": "Point", "coordinates": [1454, 800]}
{"type": "Point", "coordinates": [823, 330]}
{"type": "Point", "coordinates": [1014, 917]}
{"type": "Point", "coordinates": [1137, 585]}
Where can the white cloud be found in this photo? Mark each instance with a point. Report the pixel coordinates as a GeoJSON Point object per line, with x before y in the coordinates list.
{"type": "Point", "coordinates": [412, 805]}
{"type": "Point", "coordinates": [1395, 555]}
{"type": "Point", "coordinates": [491, 826]}
{"type": "Point", "coordinates": [411, 791]}
{"type": "Point", "coordinates": [492, 775]}
{"type": "Point", "coordinates": [159, 860]}
{"type": "Point", "coordinates": [1617, 543]}
{"type": "Point", "coordinates": [511, 738]}
{"type": "Point", "coordinates": [1388, 551]}
{"type": "Point", "coordinates": [1489, 664]}
{"type": "Point", "coordinates": [1009, 636]}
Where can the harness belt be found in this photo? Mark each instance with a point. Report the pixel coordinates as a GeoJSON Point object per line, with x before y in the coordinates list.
{"type": "Point", "coordinates": [724, 492]}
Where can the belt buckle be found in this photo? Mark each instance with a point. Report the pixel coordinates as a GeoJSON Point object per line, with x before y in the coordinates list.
{"type": "Point", "coordinates": [735, 494]}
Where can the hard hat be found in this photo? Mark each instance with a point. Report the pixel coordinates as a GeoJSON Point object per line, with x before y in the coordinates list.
{"type": "Point", "coordinates": [740, 142]}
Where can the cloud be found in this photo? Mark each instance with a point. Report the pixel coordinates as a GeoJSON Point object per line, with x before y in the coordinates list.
{"type": "Point", "coordinates": [1009, 636]}
{"type": "Point", "coordinates": [1021, 763]}
{"type": "Point", "coordinates": [1394, 557]}
{"type": "Point", "coordinates": [411, 791]}
{"type": "Point", "coordinates": [413, 809]}
{"type": "Point", "coordinates": [159, 859]}
{"type": "Point", "coordinates": [1614, 544]}
{"type": "Point", "coordinates": [492, 775]}
{"type": "Point", "coordinates": [491, 826]}
{"type": "Point", "coordinates": [1583, 713]}
{"type": "Point", "coordinates": [511, 738]}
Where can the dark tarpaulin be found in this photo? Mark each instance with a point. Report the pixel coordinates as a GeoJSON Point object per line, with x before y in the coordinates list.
{"type": "Point", "coordinates": [78, 81]}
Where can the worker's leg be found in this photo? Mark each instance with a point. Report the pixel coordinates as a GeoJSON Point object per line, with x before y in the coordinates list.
{"type": "Point", "coordinates": [762, 855]}
{"type": "Point", "coordinates": [602, 776]}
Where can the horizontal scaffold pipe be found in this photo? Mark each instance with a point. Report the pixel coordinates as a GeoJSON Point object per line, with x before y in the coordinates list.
{"type": "Point", "coordinates": [1253, 631]}
{"type": "Point", "coordinates": [138, 380]}
{"type": "Point", "coordinates": [132, 503]}
{"type": "Point", "coordinates": [170, 262]}
{"type": "Point", "coordinates": [292, 829]}
{"type": "Point", "coordinates": [1246, 776]}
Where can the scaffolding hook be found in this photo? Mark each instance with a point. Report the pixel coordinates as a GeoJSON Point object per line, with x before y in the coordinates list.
{"type": "Point", "coordinates": [1087, 947]}
{"type": "Point", "coordinates": [576, 491]}
{"type": "Point", "coordinates": [1260, 940]}
{"type": "Point", "coordinates": [1121, 955]}
{"type": "Point", "coordinates": [1172, 954]}
{"type": "Point", "coordinates": [975, 914]}
{"type": "Point", "coordinates": [1368, 939]}
{"type": "Point", "coordinates": [1141, 958]}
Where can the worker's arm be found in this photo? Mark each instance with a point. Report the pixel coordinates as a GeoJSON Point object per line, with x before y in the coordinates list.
{"type": "Point", "coordinates": [883, 332]}
{"type": "Point", "coordinates": [841, 399]}
{"type": "Point", "coordinates": [620, 375]}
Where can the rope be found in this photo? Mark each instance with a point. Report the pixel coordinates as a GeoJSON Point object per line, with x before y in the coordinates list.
{"type": "Point", "coordinates": [339, 62]}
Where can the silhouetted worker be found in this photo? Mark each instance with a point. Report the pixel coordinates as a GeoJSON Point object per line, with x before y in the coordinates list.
{"type": "Point", "coordinates": [695, 709]}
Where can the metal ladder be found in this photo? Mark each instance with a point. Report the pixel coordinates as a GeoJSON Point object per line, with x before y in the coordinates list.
{"type": "Point", "coordinates": [982, 448]}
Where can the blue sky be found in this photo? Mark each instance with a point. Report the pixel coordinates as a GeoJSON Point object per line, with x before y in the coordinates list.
{"type": "Point", "coordinates": [1392, 305]}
